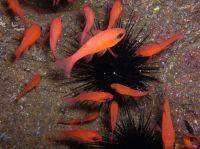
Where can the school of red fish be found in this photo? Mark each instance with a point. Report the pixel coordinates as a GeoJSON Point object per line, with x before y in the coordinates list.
{"type": "Point", "coordinates": [104, 40]}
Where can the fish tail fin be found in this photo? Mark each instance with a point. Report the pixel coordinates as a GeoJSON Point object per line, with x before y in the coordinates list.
{"type": "Point", "coordinates": [63, 134]}
{"type": "Point", "coordinates": [25, 20]}
{"type": "Point", "coordinates": [19, 96]}
{"type": "Point", "coordinates": [65, 64]}
{"type": "Point", "coordinates": [84, 37]}
{"type": "Point", "coordinates": [88, 58]}
{"type": "Point", "coordinates": [111, 137]}
{"type": "Point", "coordinates": [14, 61]}
{"type": "Point", "coordinates": [113, 115]}
{"type": "Point", "coordinates": [177, 36]}
{"type": "Point", "coordinates": [16, 55]}
{"type": "Point", "coordinates": [70, 122]}
{"type": "Point", "coordinates": [137, 52]}
{"type": "Point", "coordinates": [19, 52]}
{"type": "Point", "coordinates": [70, 100]}
{"type": "Point", "coordinates": [89, 118]}
{"type": "Point", "coordinates": [173, 38]}
{"type": "Point", "coordinates": [54, 55]}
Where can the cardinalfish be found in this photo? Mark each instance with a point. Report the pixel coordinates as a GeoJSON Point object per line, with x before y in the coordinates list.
{"type": "Point", "coordinates": [17, 9]}
{"type": "Point", "coordinates": [101, 41]}
{"type": "Point", "coordinates": [115, 13]}
{"type": "Point", "coordinates": [89, 17]}
{"type": "Point", "coordinates": [155, 48]}
{"type": "Point", "coordinates": [31, 35]}
{"type": "Point", "coordinates": [168, 133]}
{"type": "Point", "coordinates": [90, 117]}
{"type": "Point", "coordinates": [113, 116]}
{"type": "Point", "coordinates": [33, 83]}
{"type": "Point", "coordinates": [90, 96]}
{"type": "Point", "coordinates": [82, 135]}
{"type": "Point", "coordinates": [190, 141]}
{"type": "Point", "coordinates": [55, 34]}
{"type": "Point", "coordinates": [124, 90]}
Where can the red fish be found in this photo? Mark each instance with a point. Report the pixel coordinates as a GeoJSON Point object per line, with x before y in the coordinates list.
{"type": "Point", "coordinates": [31, 35]}
{"type": "Point", "coordinates": [55, 34]}
{"type": "Point", "coordinates": [113, 115]}
{"type": "Point", "coordinates": [103, 40]}
{"type": "Point", "coordinates": [154, 48]}
{"type": "Point", "coordinates": [80, 134]}
{"type": "Point", "coordinates": [190, 141]}
{"type": "Point", "coordinates": [89, 17]}
{"type": "Point", "coordinates": [124, 90]}
{"type": "Point", "coordinates": [90, 96]}
{"type": "Point", "coordinates": [168, 133]}
{"type": "Point", "coordinates": [16, 8]}
{"type": "Point", "coordinates": [115, 13]}
{"type": "Point", "coordinates": [33, 83]}
{"type": "Point", "coordinates": [89, 118]}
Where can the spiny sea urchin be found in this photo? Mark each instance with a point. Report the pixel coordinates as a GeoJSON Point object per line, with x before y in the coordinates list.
{"type": "Point", "coordinates": [101, 72]}
{"type": "Point", "coordinates": [126, 69]}
{"type": "Point", "coordinates": [131, 134]}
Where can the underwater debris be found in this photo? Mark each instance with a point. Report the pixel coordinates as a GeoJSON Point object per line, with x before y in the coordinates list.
{"type": "Point", "coordinates": [4, 137]}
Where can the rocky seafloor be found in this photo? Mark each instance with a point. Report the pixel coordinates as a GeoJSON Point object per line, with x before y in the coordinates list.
{"type": "Point", "coordinates": [32, 122]}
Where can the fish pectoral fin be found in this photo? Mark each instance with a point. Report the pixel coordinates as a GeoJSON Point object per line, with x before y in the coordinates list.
{"type": "Point", "coordinates": [101, 53]}
{"type": "Point", "coordinates": [88, 58]}
{"type": "Point", "coordinates": [36, 90]}
{"type": "Point", "coordinates": [112, 53]}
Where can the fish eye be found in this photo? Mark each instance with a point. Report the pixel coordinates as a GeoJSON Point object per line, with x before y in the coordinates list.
{"type": "Point", "coordinates": [119, 36]}
{"type": "Point", "coordinates": [95, 138]}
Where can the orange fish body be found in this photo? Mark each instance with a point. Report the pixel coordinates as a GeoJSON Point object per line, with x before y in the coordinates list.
{"type": "Point", "coordinates": [31, 35]}
{"type": "Point", "coordinates": [90, 117]}
{"type": "Point", "coordinates": [124, 90]}
{"type": "Point", "coordinates": [155, 48]}
{"type": "Point", "coordinates": [90, 96]}
{"type": "Point", "coordinates": [80, 134]}
{"type": "Point", "coordinates": [168, 133]}
{"type": "Point", "coordinates": [89, 17]}
{"type": "Point", "coordinates": [115, 13]}
{"type": "Point", "coordinates": [113, 115]}
{"type": "Point", "coordinates": [101, 41]}
{"type": "Point", "coordinates": [187, 142]}
{"type": "Point", "coordinates": [33, 83]}
{"type": "Point", "coordinates": [16, 8]}
{"type": "Point", "coordinates": [55, 34]}
{"type": "Point", "coordinates": [190, 141]}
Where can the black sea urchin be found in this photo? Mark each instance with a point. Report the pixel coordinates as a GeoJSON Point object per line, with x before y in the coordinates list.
{"type": "Point", "coordinates": [124, 69]}
{"type": "Point", "coordinates": [130, 134]}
